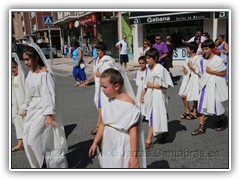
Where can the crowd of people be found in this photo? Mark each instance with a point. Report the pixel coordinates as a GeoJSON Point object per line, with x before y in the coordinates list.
{"type": "Point", "coordinates": [40, 129]}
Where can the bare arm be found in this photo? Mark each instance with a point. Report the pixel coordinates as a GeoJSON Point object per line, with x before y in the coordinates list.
{"type": "Point", "coordinates": [210, 71]}
{"type": "Point", "coordinates": [133, 161]}
{"type": "Point", "coordinates": [97, 138]}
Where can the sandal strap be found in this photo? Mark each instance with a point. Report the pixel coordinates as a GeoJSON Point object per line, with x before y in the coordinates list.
{"type": "Point", "coordinates": [198, 131]}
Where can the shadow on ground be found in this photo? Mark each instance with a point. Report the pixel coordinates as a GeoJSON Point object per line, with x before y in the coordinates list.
{"type": "Point", "coordinates": [163, 164]}
{"type": "Point", "coordinates": [77, 156]}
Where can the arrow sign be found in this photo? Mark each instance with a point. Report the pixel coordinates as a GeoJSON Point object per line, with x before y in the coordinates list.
{"type": "Point", "coordinates": [48, 20]}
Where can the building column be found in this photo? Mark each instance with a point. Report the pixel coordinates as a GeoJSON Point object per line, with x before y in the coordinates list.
{"type": "Point", "coordinates": [120, 26]}
{"type": "Point", "coordinates": [137, 30]}
{"type": "Point", "coordinates": [215, 27]}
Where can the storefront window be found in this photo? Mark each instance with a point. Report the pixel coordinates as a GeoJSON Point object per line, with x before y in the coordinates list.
{"type": "Point", "coordinates": [177, 30]}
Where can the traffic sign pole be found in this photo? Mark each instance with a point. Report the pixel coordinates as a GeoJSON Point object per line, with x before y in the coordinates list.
{"type": "Point", "coordinates": [50, 43]}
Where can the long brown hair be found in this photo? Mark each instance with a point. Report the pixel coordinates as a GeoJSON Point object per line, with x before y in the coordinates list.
{"type": "Point", "coordinates": [34, 56]}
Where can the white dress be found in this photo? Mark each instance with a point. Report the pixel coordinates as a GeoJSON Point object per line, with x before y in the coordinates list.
{"type": "Point", "coordinates": [140, 79]}
{"type": "Point", "coordinates": [37, 138]}
{"type": "Point", "coordinates": [17, 101]}
{"type": "Point", "coordinates": [118, 116]}
{"type": "Point", "coordinates": [101, 65]}
{"type": "Point", "coordinates": [213, 88]}
{"type": "Point", "coordinates": [155, 99]}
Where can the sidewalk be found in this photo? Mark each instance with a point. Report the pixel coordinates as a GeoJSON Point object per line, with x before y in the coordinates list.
{"type": "Point", "coordinates": [64, 66]}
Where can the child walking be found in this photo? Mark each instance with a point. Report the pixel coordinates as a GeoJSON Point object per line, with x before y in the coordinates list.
{"type": "Point", "coordinates": [157, 81]}
{"type": "Point", "coordinates": [18, 82]}
{"type": "Point", "coordinates": [189, 90]}
{"type": "Point", "coordinates": [43, 137]}
{"type": "Point", "coordinates": [102, 63]}
{"type": "Point", "coordinates": [213, 88]}
{"type": "Point", "coordinates": [118, 129]}
{"type": "Point", "coordinates": [140, 79]}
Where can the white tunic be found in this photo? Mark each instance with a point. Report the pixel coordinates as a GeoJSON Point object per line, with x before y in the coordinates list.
{"type": "Point", "coordinates": [155, 99]}
{"type": "Point", "coordinates": [39, 102]}
{"type": "Point", "coordinates": [118, 116]}
{"type": "Point", "coordinates": [190, 83]}
{"type": "Point", "coordinates": [101, 65]}
{"type": "Point", "coordinates": [140, 79]}
{"type": "Point", "coordinates": [17, 101]}
{"type": "Point", "coordinates": [213, 88]}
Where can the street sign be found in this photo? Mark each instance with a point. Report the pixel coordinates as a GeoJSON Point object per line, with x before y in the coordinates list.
{"type": "Point", "coordinates": [48, 20]}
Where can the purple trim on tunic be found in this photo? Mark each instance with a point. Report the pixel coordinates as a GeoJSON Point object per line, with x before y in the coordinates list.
{"type": "Point", "coordinates": [201, 100]}
{"type": "Point", "coordinates": [135, 76]}
{"type": "Point", "coordinates": [201, 63]}
{"type": "Point", "coordinates": [151, 119]}
{"type": "Point", "coordinates": [99, 101]}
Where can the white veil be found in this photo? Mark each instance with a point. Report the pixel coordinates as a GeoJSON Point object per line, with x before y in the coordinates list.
{"type": "Point", "coordinates": [20, 69]}
{"type": "Point", "coordinates": [42, 56]}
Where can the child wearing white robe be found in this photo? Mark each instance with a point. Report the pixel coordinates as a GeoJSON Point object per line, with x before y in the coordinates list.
{"type": "Point", "coordinates": [213, 88]}
{"type": "Point", "coordinates": [102, 63]}
{"type": "Point", "coordinates": [140, 79]}
{"type": "Point", "coordinates": [43, 137]}
{"type": "Point", "coordinates": [18, 81]}
{"type": "Point", "coordinates": [189, 89]}
{"type": "Point", "coordinates": [121, 145]}
{"type": "Point", "coordinates": [157, 81]}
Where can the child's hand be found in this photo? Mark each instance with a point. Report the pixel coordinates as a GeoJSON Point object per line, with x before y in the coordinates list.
{"type": "Point", "coordinates": [24, 113]}
{"type": "Point", "coordinates": [50, 121]}
{"type": "Point", "coordinates": [92, 150]}
{"type": "Point", "coordinates": [133, 163]}
{"type": "Point", "coordinates": [209, 70]}
{"type": "Point", "coordinates": [185, 71]}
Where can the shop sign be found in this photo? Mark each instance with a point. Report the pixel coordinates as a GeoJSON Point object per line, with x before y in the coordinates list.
{"type": "Point", "coordinates": [180, 54]}
{"type": "Point", "coordinates": [89, 19]}
{"type": "Point", "coordinates": [168, 17]}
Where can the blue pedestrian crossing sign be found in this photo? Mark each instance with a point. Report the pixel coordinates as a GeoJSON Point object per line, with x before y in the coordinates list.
{"type": "Point", "coordinates": [48, 20]}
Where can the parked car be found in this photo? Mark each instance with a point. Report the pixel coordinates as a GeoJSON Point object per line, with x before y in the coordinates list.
{"type": "Point", "coordinates": [45, 47]}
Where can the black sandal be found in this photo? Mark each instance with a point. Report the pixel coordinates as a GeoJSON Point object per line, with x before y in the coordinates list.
{"type": "Point", "coordinates": [184, 115]}
{"type": "Point", "coordinates": [200, 130]}
{"type": "Point", "coordinates": [190, 117]}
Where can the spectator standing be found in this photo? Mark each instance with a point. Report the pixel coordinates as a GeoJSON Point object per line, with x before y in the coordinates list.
{"type": "Point", "coordinates": [146, 46]}
{"type": "Point", "coordinates": [162, 49]}
{"type": "Point", "coordinates": [123, 46]}
{"type": "Point", "coordinates": [171, 48]}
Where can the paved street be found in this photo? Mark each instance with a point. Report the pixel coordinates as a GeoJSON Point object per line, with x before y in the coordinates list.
{"type": "Point", "coordinates": [181, 150]}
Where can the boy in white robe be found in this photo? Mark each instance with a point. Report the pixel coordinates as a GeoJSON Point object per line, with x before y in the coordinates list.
{"type": "Point", "coordinates": [157, 81]}
{"type": "Point", "coordinates": [102, 63]}
{"type": "Point", "coordinates": [213, 88]}
{"type": "Point", "coordinates": [119, 127]}
{"type": "Point", "coordinates": [140, 79]}
{"type": "Point", "coordinates": [189, 89]}
{"type": "Point", "coordinates": [18, 81]}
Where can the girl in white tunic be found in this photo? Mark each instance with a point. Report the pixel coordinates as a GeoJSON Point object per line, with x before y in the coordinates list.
{"type": "Point", "coordinates": [18, 81]}
{"type": "Point", "coordinates": [119, 127]}
{"type": "Point", "coordinates": [140, 79]}
{"type": "Point", "coordinates": [44, 138]}
{"type": "Point", "coordinates": [189, 89]}
{"type": "Point", "coordinates": [157, 81]}
{"type": "Point", "coordinates": [213, 88]}
{"type": "Point", "coordinates": [102, 63]}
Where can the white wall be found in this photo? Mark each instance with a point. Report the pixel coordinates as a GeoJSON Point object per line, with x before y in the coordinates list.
{"type": "Point", "coordinates": [137, 31]}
